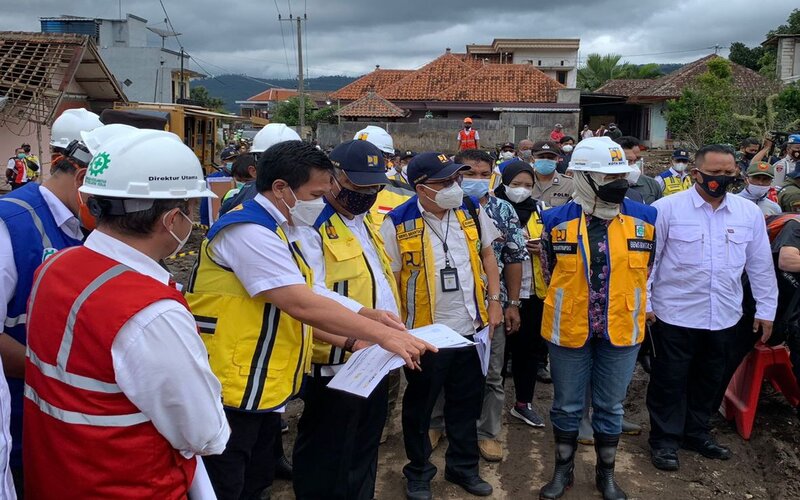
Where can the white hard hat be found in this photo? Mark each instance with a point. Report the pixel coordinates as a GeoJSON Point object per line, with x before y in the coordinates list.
{"type": "Point", "coordinates": [271, 135]}
{"type": "Point", "coordinates": [599, 154]}
{"type": "Point", "coordinates": [70, 124]}
{"type": "Point", "coordinates": [378, 137]}
{"type": "Point", "coordinates": [146, 164]}
{"type": "Point", "coordinates": [101, 135]}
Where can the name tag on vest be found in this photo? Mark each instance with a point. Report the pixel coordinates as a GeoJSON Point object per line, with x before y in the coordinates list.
{"type": "Point", "coordinates": [409, 234]}
{"type": "Point", "coordinates": [640, 245]}
{"type": "Point", "coordinates": [570, 248]}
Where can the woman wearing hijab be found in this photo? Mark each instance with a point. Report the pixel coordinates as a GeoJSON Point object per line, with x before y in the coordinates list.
{"type": "Point", "coordinates": [596, 257]}
{"type": "Point", "coordinates": [516, 188]}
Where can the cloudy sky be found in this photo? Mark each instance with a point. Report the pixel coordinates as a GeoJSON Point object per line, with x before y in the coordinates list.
{"type": "Point", "coordinates": [351, 36]}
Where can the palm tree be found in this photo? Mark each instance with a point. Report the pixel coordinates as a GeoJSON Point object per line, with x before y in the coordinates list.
{"type": "Point", "coordinates": [599, 69]}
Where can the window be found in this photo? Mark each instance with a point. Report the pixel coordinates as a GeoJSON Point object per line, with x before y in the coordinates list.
{"type": "Point", "coordinates": [520, 132]}
{"type": "Point", "coordinates": [561, 76]}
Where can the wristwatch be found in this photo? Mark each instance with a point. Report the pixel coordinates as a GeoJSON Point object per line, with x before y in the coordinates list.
{"type": "Point", "coordinates": [495, 297]}
{"type": "Point", "coordinates": [515, 303]}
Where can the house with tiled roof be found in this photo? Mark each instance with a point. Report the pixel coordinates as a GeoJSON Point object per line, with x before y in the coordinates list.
{"type": "Point", "coordinates": [259, 106]}
{"type": "Point", "coordinates": [638, 107]}
{"type": "Point", "coordinates": [371, 106]}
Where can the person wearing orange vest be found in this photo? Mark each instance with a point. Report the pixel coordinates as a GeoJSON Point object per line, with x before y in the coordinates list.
{"type": "Point", "coordinates": [119, 395]}
{"type": "Point", "coordinates": [16, 169]}
{"type": "Point", "coordinates": [468, 137]}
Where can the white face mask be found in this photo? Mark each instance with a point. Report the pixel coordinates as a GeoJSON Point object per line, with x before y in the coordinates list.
{"type": "Point", "coordinates": [181, 241]}
{"type": "Point", "coordinates": [757, 191]}
{"type": "Point", "coordinates": [305, 213]}
{"type": "Point", "coordinates": [449, 197]}
{"type": "Point", "coordinates": [518, 194]}
{"type": "Point", "coordinates": [633, 177]}
{"type": "Point", "coordinates": [567, 148]}
{"type": "Point", "coordinates": [679, 166]}
{"type": "Point", "coordinates": [506, 155]}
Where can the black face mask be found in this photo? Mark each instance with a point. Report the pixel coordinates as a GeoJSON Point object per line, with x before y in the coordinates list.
{"type": "Point", "coordinates": [354, 202]}
{"type": "Point", "coordinates": [613, 192]}
{"type": "Point", "coordinates": [716, 185]}
{"type": "Point", "coordinates": [796, 155]}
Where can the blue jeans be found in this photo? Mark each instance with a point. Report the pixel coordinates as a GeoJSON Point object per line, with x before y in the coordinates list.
{"type": "Point", "coordinates": [607, 367]}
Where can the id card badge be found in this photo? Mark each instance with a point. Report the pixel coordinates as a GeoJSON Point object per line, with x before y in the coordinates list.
{"type": "Point", "coordinates": [449, 277]}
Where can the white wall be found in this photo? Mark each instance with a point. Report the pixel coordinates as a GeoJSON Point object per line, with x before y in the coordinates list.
{"type": "Point", "coordinates": [142, 66]}
{"type": "Point", "coordinates": [551, 62]}
{"type": "Point", "coordinates": [658, 125]}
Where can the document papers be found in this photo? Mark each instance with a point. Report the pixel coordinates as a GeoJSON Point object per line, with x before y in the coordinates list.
{"type": "Point", "coordinates": [366, 368]}
{"type": "Point", "coordinates": [484, 345]}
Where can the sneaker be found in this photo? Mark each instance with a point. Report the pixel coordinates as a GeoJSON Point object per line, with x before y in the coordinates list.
{"type": "Point", "coordinates": [528, 415]}
{"type": "Point", "coordinates": [490, 449]}
{"type": "Point", "coordinates": [543, 375]}
{"type": "Point", "coordinates": [435, 435]}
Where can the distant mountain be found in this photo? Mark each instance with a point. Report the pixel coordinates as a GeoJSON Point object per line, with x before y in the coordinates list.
{"type": "Point", "coordinates": [232, 88]}
{"type": "Point", "coordinates": [668, 68]}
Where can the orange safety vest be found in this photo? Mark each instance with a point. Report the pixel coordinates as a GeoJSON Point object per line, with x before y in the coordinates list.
{"type": "Point", "coordinates": [467, 139]}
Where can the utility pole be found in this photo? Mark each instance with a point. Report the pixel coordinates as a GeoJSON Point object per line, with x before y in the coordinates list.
{"type": "Point", "coordinates": [181, 92]}
{"type": "Point", "coordinates": [300, 91]}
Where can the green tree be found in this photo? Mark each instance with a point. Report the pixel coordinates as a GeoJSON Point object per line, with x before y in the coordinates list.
{"type": "Point", "coordinates": [288, 111]}
{"type": "Point", "coordinates": [745, 56]}
{"type": "Point", "coordinates": [599, 69]}
{"type": "Point", "coordinates": [704, 114]}
{"type": "Point", "coordinates": [639, 72]}
{"type": "Point", "coordinates": [201, 95]}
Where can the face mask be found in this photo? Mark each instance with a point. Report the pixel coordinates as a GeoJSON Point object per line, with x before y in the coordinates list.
{"type": "Point", "coordinates": [467, 127]}
{"type": "Point", "coordinates": [305, 213]}
{"type": "Point", "coordinates": [181, 241]}
{"type": "Point", "coordinates": [749, 156]}
{"type": "Point", "coordinates": [757, 191]}
{"type": "Point", "coordinates": [613, 192]}
{"type": "Point", "coordinates": [525, 154]}
{"type": "Point", "coordinates": [354, 202]}
{"type": "Point", "coordinates": [716, 185]}
{"type": "Point", "coordinates": [679, 166]}
{"type": "Point", "coordinates": [633, 176]}
{"type": "Point", "coordinates": [21, 156]}
{"type": "Point", "coordinates": [477, 188]}
{"type": "Point", "coordinates": [796, 155]}
{"type": "Point", "coordinates": [449, 197]}
{"type": "Point", "coordinates": [567, 148]}
{"type": "Point", "coordinates": [544, 166]}
{"type": "Point", "coordinates": [506, 155]}
{"type": "Point", "coordinates": [518, 194]}
{"type": "Point", "coordinates": [391, 172]}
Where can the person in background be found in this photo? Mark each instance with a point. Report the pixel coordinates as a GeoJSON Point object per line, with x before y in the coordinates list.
{"type": "Point", "coordinates": [243, 172]}
{"type": "Point", "coordinates": [758, 183]}
{"type": "Point", "coordinates": [224, 170]}
{"type": "Point", "coordinates": [637, 180]}
{"type": "Point", "coordinates": [786, 255]}
{"type": "Point", "coordinates": [511, 255]}
{"type": "Point", "coordinates": [748, 149]}
{"type": "Point", "coordinates": [17, 170]}
{"type": "Point", "coordinates": [566, 144]}
{"type": "Point", "coordinates": [594, 312]}
{"type": "Point", "coordinates": [32, 162]}
{"type": "Point", "coordinates": [549, 186]}
{"type": "Point", "coordinates": [526, 348]}
{"type": "Point", "coordinates": [696, 303]}
{"type": "Point", "coordinates": [586, 132]}
{"type": "Point", "coordinates": [790, 161]}
{"type": "Point", "coordinates": [557, 133]}
{"type": "Point", "coordinates": [506, 152]}
{"type": "Point", "coordinates": [468, 137]}
{"type": "Point", "coordinates": [789, 195]}
{"type": "Point", "coordinates": [602, 131]}
{"type": "Point", "coordinates": [613, 131]}
{"type": "Point", "coordinates": [676, 178]}
{"type": "Point", "coordinates": [524, 150]}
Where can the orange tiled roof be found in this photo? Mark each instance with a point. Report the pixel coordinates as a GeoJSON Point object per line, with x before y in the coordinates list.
{"type": "Point", "coordinates": [377, 81]}
{"type": "Point", "coordinates": [272, 95]}
{"type": "Point", "coordinates": [503, 83]}
{"type": "Point", "coordinates": [428, 81]}
{"type": "Point", "coordinates": [371, 106]}
{"type": "Point", "coordinates": [624, 86]}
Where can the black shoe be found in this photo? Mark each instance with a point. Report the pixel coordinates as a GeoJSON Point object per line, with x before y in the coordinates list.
{"type": "Point", "coordinates": [283, 468]}
{"type": "Point", "coordinates": [473, 484]}
{"type": "Point", "coordinates": [418, 490]}
{"type": "Point", "coordinates": [708, 448]}
{"type": "Point", "coordinates": [606, 447]}
{"type": "Point", "coordinates": [564, 471]}
{"type": "Point", "coordinates": [665, 458]}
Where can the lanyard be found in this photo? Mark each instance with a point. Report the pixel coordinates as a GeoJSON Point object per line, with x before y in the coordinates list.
{"type": "Point", "coordinates": [443, 240]}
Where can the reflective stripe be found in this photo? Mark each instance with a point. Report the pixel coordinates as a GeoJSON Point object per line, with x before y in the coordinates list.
{"type": "Point", "coordinates": [411, 299]}
{"type": "Point", "coordinates": [559, 300]}
{"type": "Point", "coordinates": [66, 340]}
{"type": "Point", "coordinates": [636, 305]}
{"type": "Point", "coordinates": [17, 320]}
{"type": "Point", "coordinates": [36, 220]}
{"type": "Point", "coordinates": [73, 417]}
{"type": "Point", "coordinates": [71, 379]}
{"type": "Point", "coordinates": [258, 372]}
{"type": "Point", "coordinates": [49, 262]}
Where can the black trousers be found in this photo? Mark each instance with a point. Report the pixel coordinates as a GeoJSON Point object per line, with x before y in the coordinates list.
{"type": "Point", "coordinates": [247, 466]}
{"type": "Point", "coordinates": [688, 370]}
{"type": "Point", "coordinates": [458, 373]}
{"type": "Point", "coordinates": [527, 349]}
{"type": "Point", "coordinates": [336, 450]}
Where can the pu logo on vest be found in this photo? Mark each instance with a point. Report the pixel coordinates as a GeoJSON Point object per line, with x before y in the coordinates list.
{"type": "Point", "coordinates": [47, 253]}
{"type": "Point", "coordinates": [561, 235]}
{"type": "Point", "coordinates": [330, 231]}
{"type": "Point", "coordinates": [97, 167]}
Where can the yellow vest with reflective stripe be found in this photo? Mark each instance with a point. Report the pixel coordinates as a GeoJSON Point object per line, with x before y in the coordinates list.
{"type": "Point", "coordinates": [347, 273]}
{"type": "Point", "coordinates": [535, 231]}
{"type": "Point", "coordinates": [631, 239]}
{"type": "Point", "coordinates": [389, 198]}
{"type": "Point", "coordinates": [417, 275]}
{"type": "Point", "coordinates": [258, 353]}
{"type": "Point", "coordinates": [674, 184]}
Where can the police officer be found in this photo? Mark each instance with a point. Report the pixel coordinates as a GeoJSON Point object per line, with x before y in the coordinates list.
{"type": "Point", "coordinates": [550, 187]}
{"type": "Point", "coordinates": [336, 451]}
{"type": "Point", "coordinates": [676, 178]}
{"type": "Point", "coordinates": [597, 249]}
{"type": "Point", "coordinates": [441, 248]}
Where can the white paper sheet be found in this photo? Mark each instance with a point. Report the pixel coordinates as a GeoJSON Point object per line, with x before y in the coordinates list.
{"type": "Point", "coordinates": [441, 336]}
{"type": "Point", "coordinates": [484, 345]}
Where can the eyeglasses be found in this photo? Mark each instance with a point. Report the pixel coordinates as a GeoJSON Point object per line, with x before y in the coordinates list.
{"type": "Point", "coordinates": [444, 183]}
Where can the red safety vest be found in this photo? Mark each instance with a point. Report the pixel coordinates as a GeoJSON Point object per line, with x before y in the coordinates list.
{"type": "Point", "coordinates": [20, 171]}
{"type": "Point", "coordinates": [83, 438]}
{"type": "Point", "coordinates": [467, 139]}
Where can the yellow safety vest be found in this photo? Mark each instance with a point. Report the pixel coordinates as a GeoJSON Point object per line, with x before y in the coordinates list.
{"type": "Point", "coordinates": [535, 231]}
{"type": "Point", "coordinates": [631, 240]}
{"type": "Point", "coordinates": [347, 272]}
{"type": "Point", "coordinates": [417, 275]}
{"type": "Point", "coordinates": [390, 197]}
{"type": "Point", "coordinates": [674, 184]}
{"type": "Point", "coordinates": [258, 353]}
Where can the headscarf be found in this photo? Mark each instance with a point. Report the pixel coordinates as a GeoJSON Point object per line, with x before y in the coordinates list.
{"type": "Point", "coordinates": [588, 200]}
{"type": "Point", "coordinates": [526, 207]}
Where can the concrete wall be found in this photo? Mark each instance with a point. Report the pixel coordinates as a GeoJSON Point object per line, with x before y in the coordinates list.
{"type": "Point", "coordinates": [788, 65]}
{"type": "Point", "coordinates": [658, 125]}
{"type": "Point", "coordinates": [440, 134]}
{"type": "Point", "coordinates": [151, 81]}
{"type": "Point", "coordinates": [551, 62]}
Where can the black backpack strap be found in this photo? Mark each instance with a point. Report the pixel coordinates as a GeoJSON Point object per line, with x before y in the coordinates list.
{"type": "Point", "coordinates": [473, 212]}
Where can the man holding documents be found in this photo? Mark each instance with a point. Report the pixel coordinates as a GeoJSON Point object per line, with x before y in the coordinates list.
{"type": "Point", "coordinates": [336, 451]}
{"type": "Point", "coordinates": [253, 293]}
{"type": "Point", "coordinates": [442, 256]}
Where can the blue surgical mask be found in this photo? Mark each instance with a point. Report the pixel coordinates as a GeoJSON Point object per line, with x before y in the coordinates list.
{"type": "Point", "coordinates": [21, 156]}
{"type": "Point", "coordinates": [477, 188]}
{"type": "Point", "coordinates": [544, 166]}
